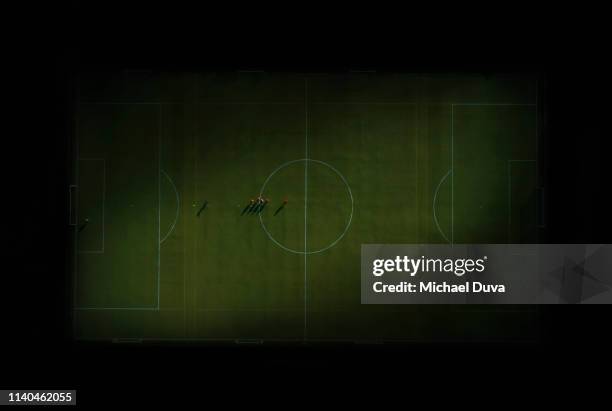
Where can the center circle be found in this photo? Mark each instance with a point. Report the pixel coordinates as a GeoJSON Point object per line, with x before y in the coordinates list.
{"type": "Point", "coordinates": [305, 183]}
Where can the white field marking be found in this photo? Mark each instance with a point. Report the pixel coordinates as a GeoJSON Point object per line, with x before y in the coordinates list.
{"type": "Point", "coordinates": [270, 309]}
{"type": "Point", "coordinates": [173, 309]}
{"type": "Point", "coordinates": [453, 151]}
{"type": "Point", "coordinates": [178, 204]}
{"type": "Point", "coordinates": [75, 237]}
{"type": "Point", "coordinates": [159, 138]}
{"type": "Point", "coordinates": [222, 309]}
{"type": "Point", "coordinates": [103, 204]}
{"type": "Point", "coordinates": [431, 103]}
{"type": "Point", "coordinates": [416, 166]}
{"type": "Point", "coordinates": [434, 205]}
{"type": "Point", "coordinates": [76, 232]}
{"type": "Point", "coordinates": [495, 104]}
{"type": "Point", "coordinates": [149, 103]}
{"type": "Point", "coordinates": [537, 151]}
{"type": "Point", "coordinates": [510, 191]}
{"type": "Point", "coordinates": [250, 103]}
{"type": "Point", "coordinates": [126, 340]}
{"type": "Point", "coordinates": [117, 308]}
{"type": "Point", "coordinates": [196, 285]}
{"type": "Point", "coordinates": [127, 103]}
{"type": "Point", "coordinates": [365, 103]}
{"type": "Point", "coordinates": [70, 189]}
{"type": "Point", "coordinates": [305, 205]}
{"type": "Point", "coordinates": [101, 251]}
{"type": "Point", "coordinates": [247, 341]}
{"type": "Point", "coordinates": [452, 174]}
{"type": "Point", "coordinates": [347, 225]}
{"type": "Point", "coordinates": [169, 103]}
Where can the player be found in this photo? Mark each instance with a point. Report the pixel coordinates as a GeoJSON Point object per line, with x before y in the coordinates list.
{"type": "Point", "coordinates": [248, 206]}
{"type": "Point", "coordinates": [259, 205]}
{"type": "Point", "coordinates": [255, 205]}
{"type": "Point", "coordinates": [263, 204]}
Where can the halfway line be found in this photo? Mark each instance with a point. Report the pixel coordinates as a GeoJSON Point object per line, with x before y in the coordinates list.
{"type": "Point", "coordinates": [305, 207]}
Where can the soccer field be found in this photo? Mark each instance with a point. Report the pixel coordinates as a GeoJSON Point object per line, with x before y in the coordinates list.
{"type": "Point", "coordinates": [361, 158]}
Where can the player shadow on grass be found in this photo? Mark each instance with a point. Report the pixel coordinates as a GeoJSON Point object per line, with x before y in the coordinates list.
{"type": "Point", "coordinates": [279, 209]}
{"type": "Point", "coordinates": [247, 208]}
{"type": "Point", "coordinates": [253, 208]}
{"type": "Point", "coordinates": [202, 208]}
{"type": "Point", "coordinates": [250, 208]}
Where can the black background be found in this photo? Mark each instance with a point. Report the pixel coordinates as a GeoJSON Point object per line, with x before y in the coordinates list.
{"type": "Point", "coordinates": [565, 47]}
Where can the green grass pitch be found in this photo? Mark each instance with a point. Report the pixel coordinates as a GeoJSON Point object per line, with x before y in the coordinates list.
{"type": "Point", "coordinates": [361, 158]}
